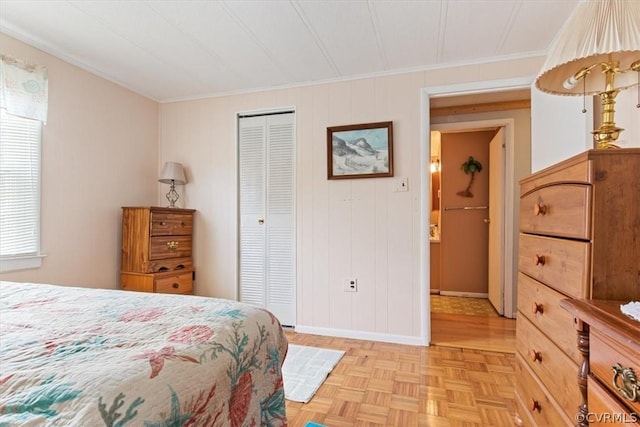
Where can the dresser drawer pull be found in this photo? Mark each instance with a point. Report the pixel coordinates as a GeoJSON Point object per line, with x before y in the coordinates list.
{"type": "Point", "coordinates": [539, 259]}
{"type": "Point", "coordinates": [534, 405]}
{"type": "Point", "coordinates": [176, 285]}
{"type": "Point", "coordinates": [539, 209]}
{"type": "Point", "coordinates": [172, 245]}
{"type": "Point", "coordinates": [537, 308]}
{"type": "Point", "coordinates": [535, 356]}
{"type": "Point", "coordinates": [630, 386]}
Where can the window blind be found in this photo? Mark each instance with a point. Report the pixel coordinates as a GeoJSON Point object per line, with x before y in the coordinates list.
{"type": "Point", "coordinates": [19, 186]}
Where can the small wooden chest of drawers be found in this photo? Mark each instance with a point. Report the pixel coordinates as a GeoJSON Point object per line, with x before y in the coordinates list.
{"type": "Point", "coordinates": [156, 250]}
{"type": "Point", "coordinates": [578, 220]}
{"type": "Point", "coordinates": [610, 345]}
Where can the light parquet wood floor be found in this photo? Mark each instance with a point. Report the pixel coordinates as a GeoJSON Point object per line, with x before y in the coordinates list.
{"type": "Point", "coordinates": [383, 384]}
{"type": "Point", "coordinates": [491, 333]}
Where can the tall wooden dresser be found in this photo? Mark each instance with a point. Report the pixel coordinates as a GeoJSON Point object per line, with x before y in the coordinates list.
{"type": "Point", "coordinates": [579, 228]}
{"type": "Point", "coordinates": [156, 250]}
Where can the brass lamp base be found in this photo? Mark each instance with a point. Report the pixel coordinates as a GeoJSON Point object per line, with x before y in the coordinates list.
{"type": "Point", "coordinates": [605, 136]}
{"type": "Point", "coordinates": [608, 133]}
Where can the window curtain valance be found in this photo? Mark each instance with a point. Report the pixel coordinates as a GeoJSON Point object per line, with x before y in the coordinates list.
{"type": "Point", "coordinates": [24, 88]}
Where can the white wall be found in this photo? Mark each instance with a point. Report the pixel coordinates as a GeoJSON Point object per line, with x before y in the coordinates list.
{"type": "Point", "coordinates": [627, 116]}
{"type": "Point", "coordinates": [99, 152]}
{"type": "Point", "coordinates": [560, 130]}
{"type": "Point", "coordinates": [346, 228]}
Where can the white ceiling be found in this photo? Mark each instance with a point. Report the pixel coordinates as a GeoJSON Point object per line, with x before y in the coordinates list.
{"type": "Point", "coordinates": [170, 50]}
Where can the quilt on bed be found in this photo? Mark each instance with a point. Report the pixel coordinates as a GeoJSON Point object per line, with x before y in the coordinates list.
{"type": "Point", "coordinates": [92, 357]}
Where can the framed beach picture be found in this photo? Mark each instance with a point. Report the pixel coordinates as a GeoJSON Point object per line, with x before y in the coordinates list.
{"type": "Point", "coordinates": [360, 151]}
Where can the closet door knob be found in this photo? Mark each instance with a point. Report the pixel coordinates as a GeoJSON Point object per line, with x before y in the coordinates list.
{"type": "Point", "coordinates": [260, 221]}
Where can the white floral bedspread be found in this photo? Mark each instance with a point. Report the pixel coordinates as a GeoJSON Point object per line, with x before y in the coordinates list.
{"type": "Point", "coordinates": [91, 357]}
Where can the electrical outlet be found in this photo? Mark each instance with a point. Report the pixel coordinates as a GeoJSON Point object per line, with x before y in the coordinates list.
{"type": "Point", "coordinates": [350, 285]}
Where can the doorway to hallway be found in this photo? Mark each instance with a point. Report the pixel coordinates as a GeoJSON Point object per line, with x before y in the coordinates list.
{"type": "Point", "coordinates": [516, 165]}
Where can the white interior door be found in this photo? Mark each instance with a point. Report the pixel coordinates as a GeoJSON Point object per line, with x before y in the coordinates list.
{"type": "Point", "coordinates": [496, 218]}
{"type": "Point", "coordinates": [267, 213]}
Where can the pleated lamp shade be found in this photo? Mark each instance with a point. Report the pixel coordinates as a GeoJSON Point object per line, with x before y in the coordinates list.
{"type": "Point", "coordinates": [597, 31]}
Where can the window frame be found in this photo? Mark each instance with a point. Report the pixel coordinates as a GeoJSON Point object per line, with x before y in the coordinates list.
{"type": "Point", "coordinates": [32, 259]}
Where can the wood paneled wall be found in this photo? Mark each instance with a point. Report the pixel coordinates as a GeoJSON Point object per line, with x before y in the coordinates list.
{"type": "Point", "coordinates": [345, 228]}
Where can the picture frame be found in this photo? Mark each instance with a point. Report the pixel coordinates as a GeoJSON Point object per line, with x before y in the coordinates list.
{"type": "Point", "coordinates": [360, 151]}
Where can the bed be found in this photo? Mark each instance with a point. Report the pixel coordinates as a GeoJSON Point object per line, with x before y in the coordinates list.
{"type": "Point", "coordinates": [94, 357]}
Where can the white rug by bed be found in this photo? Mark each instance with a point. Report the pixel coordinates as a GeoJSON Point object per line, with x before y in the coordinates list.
{"type": "Point", "coordinates": [305, 369]}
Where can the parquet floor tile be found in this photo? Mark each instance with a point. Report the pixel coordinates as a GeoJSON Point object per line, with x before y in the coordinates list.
{"type": "Point", "coordinates": [465, 379]}
{"type": "Point", "coordinates": [381, 384]}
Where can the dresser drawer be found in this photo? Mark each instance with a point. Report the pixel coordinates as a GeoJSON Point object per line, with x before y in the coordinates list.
{"type": "Point", "coordinates": [541, 305]}
{"type": "Point", "coordinates": [169, 264]}
{"type": "Point", "coordinates": [554, 368]}
{"type": "Point", "coordinates": [575, 171]}
{"type": "Point", "coordinates": [604, 410]}
{"type": "Point", "coordinates": [169, 247]}
{"type": "Point", "coordinates": [559, 263]}
{"type": "Point", "coordinates": [535, 406]}
{"type": "Point", "coordinates": [169, 283]}
{"type": "Point", "coordinates": [170, 224]}
{"type": "Point", "coordinates": [558, 210]}
{"type": "Point", "coordinates": [604, 354]}
{"type": "Point", "coordinates": [175, 284]}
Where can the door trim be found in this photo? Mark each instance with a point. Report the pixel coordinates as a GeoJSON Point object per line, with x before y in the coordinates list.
{"type": "Point", "coordinates": [425, 183]}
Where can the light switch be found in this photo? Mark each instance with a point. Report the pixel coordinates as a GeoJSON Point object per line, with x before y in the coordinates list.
{"type": "Point", "coordinates": [400, 184]}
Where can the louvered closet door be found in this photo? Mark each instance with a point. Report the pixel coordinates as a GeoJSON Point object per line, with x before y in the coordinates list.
{"type": "Point", "coordinates": [267, 208]}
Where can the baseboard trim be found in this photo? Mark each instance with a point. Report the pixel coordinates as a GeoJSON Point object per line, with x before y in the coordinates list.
{"type": "Point", "coordinates": [360, 335]}
{"type": "Point", "coordinates": [464, 294]}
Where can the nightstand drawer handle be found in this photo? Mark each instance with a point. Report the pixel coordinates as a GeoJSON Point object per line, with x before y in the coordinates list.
{"type": "Point", "coordinates": [172, 245]}
{"type": "Point", "coordinates": [176, 285]}
{"type": "Point", "coordinates": [539, 209]}
{"type": "Point", "coordinates": [534, 405]}
{"type": "Point", "coordinates": [629, 388]}
{"type": "Point", "coordinates": [537, 308]}
{"type": "Point", "coordinates": [535, 356]}
{"type": "Point", "coordinates": [539, 259]}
